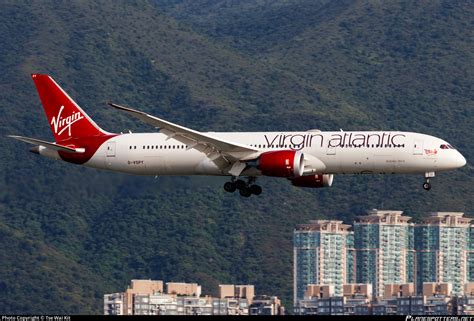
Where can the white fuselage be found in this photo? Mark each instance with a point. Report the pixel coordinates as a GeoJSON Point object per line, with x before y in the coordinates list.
{"type": "Point", "coordinates": [340, 152]}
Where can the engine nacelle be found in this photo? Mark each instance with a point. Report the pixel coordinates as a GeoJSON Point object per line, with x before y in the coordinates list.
{"type": "Point", "coordinates": [281, 163]}
{"type": "Point", "coordinates": [314, 181]}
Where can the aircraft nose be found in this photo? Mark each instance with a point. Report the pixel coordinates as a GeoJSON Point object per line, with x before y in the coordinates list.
{"type": "Point", "coordinates": [460, 160]}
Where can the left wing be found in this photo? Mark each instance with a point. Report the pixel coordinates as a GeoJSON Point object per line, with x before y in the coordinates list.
{"type": "Point", "coordinates": [226, 154]}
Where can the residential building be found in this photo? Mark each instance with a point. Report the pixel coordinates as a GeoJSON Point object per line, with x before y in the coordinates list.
{"type": "Point", "coordinates": [411, 305]}
{"type": "Point", "coordinates": [155, 304]}
{"type": "Point", "coordinates": [114, 304]}
{"type": "Point", "coordinates": [384, 249]}
{"type": "Point", "coordinates": [465, 304]}
{"type": "Point", "coordinates": [350, 259]}
{"type": "Point", "coordinates": [192, 305]}
{"type": "Point", "coordinates": [321, 250]}
{"type": "Point", "coordinates": [230, 306]}
{"type": "Point", "coordinates": [443, 250]}
{"type": "Point", "coordinates": [470, 254]}
{"type": "Point", "coordinates": [320, 300]}
{"type": "Point", "coordinates": [146, 297]}
{"type": "Point", "coordinates": [137, 287]}
{"type": "Point", "coordinates": [266, 305]}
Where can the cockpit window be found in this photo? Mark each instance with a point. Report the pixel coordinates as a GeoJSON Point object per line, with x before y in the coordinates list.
{"type": "Point", "coordinates": [446, 146]}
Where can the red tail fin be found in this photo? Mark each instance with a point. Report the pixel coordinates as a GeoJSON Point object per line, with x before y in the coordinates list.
{"type": "Point", "coordinates": [66, 118]}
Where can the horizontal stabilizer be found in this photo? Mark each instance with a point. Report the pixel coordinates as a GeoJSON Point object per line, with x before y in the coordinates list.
{"type": "Point", "coordinates": [53, 146]}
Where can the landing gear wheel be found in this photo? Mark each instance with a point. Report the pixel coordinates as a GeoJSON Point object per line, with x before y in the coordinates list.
{"type": "Point", "coordinates": [230, 187]}
{"type": "Point", "coordinates": [245, 192]}
{"type": "Point", "coordinates": [240, 184]}
{"type": "Point", "coordinates": [427, 186]}
{"type": "Point", "coordinates": [256, 189]}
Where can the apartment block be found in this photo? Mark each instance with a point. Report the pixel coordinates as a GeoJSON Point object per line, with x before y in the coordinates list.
{"type": "Point", "coordinates": [137, 287]}
{"type": "Point", "coordinates": [443, 250]}
{"type": "Point", "coordinates": [230, 306]}
{"type": "Point", "coordinates": [466, 302]}
{"type": "Point", "coordinates": [470, 254]}
{"type": "Point", "coordinates": [114, 304]}
{"type": "Point", "coordinates": [322, 255]}
{"type": "Point", "coordinates": [266, 305]}
{"type": "Point", "coordinates": [146, 297]}
{"type": "Point", "coordinates": [320, 300]}
{"type": "Point", "coordinates": [384, 249]}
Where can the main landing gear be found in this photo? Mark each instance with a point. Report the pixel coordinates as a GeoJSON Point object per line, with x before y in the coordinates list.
{"type": "Point", "coordinates": [246, 189]}
{"type": "Point", "coordinates": [426, 184]}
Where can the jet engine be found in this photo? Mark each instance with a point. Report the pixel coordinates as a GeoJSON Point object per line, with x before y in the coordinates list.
{"type": "Point", "coordinates": [282, 163]}
{"type": "Point", "coordinates": [314, 181]}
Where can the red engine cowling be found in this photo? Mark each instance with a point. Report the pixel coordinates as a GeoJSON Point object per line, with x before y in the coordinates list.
{"type": "Point", "coordinates": [314, 181]}
{"type": "Point", "coordinates": [281, 163]}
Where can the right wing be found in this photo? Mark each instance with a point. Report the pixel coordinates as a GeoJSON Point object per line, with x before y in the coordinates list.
{"type": "Point", "coordinates": [225, 154]}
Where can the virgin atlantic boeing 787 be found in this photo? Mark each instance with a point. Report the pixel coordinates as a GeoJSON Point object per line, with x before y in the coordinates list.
{"type": "Point", "coordinates": [307, 159]}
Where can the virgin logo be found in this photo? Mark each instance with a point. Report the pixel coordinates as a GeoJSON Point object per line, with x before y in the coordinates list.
{"type": "Point", "coordinates": [60, 123]}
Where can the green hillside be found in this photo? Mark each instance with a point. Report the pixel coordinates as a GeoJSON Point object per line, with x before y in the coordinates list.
{"type": "Point", "coordinates": [71, 234]}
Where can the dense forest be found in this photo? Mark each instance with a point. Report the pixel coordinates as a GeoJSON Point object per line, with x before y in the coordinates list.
{"type": "Point", "coordinates": [70, 234]}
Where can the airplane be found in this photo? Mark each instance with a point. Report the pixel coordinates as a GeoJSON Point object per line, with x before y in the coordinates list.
{"type": "Point", "coordinates": [306, 158]}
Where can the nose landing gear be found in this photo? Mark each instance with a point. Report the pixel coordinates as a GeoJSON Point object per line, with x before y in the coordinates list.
{"type": "Point", "coordinates": [426, 184]}
{"type": "Point", "coordinates": [246, 189]}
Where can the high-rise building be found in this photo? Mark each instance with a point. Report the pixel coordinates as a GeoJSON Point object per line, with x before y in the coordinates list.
{"type": "Point", "coordinates": [350, 259]}
{"type": "Point", "coordinates": [384, 249]}
{"type": "Point", "coordinates": [470, 254]}
{"type": "Point", "coordinates": [443, 245]}
{"type": "Point", "coordinates": [320, 252]}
